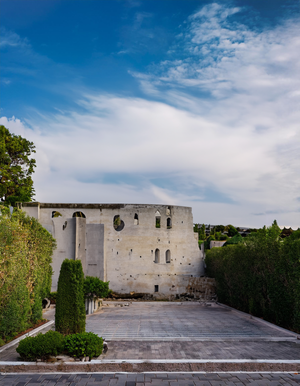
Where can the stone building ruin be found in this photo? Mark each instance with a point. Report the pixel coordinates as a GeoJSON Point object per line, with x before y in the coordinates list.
{"type": "Point", "coordinates": [148, 249]}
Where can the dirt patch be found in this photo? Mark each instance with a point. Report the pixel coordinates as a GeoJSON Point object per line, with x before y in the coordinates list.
{"type": "Point", "coordinates": [143, 367]}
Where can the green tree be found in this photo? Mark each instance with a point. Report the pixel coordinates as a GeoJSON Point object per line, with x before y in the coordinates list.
{"type": "Point", "coordinates": [219, 228]}
{"type": "Point", "coordinates": [16, 168]}
{"type": "Point", "coordinates": [202, 235]}
{"type": "Point", "coordinates": [95, 288]}
{"type": "Point", "coordinates": [70, 308]}
{"type": "Point", "coordinates": [236, 239]}
{"type": "Point", "coordinates": [232, 231]}
{"type": "Point", "coordinates": [200, 231]}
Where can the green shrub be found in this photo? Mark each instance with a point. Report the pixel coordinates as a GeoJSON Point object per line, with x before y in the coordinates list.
{"type": "Point", "coordinates": [236, 239]}
{"type": "Point", "coordinates": [25, 260]}
{"type": "Point", "coordinates": [86, 344]}
{"type": "Point", "coordinates": [52, 297]}
{"type": "Point", "coordinates": [70, 303]}
{"type": "Point", "coordinates": [94, 287]}
{"type": "Point", "coordinates": [41, 346]}
{"type": "Point", "coordinates": [260, 276]}
{"type": "Point", "coordinates": [223, 237]}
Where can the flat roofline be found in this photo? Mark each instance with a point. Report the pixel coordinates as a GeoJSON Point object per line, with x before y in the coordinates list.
{"type": "Point", "coordinates": [91, 206]}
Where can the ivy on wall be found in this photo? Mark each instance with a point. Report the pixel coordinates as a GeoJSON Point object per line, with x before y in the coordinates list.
{"type": "Point", "coordinates": [25, 271]}
{"type": "Point", "coordinates": [260, 276]}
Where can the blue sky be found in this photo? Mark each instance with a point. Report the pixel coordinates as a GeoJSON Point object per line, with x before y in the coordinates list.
{"type": "Point", "coordinates": [176, 102]}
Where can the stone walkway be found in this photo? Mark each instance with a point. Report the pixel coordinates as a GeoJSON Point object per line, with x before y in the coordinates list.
{"type": "Point", "coordinates": [177, 321]}
{"type": "Point", "coordinates": [176, 331]}
{"type": "Point", "coordinates": [150, 379]}
{"type": "Point", "coordinates": [202, 350]}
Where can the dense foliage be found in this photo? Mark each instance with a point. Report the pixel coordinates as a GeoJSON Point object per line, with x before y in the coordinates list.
{"type": "Point", "coordinates": [54, 343]}
{"type": "Point", "coordinates": [96, 288]}
{"type": "Point", "coordinates": [41, 346]}
{"type": "Point", "coordinates": [261, 276]}
{"type": "Point", "coordinates": [16, 168]}
{"type": "Point", "coordinates": [86, 344]}
{"type": "Point", "coordinates": [236, 239]}
{"type": "Point", "coordinates": [201, 231]}
{"type": "Point", "coordinates": [70, 307]}
{"type": "Point", "coordinates": [25, 271]}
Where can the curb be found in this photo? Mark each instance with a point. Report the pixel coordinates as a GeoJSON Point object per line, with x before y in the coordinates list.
{"type": "Point", "coordinates": [32, 332]}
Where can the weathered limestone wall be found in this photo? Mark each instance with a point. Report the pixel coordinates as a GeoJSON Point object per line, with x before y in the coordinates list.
{"type": "Point", "coordinates": [216, 243]}
{"type": "Point", "coordinates": [136, 256]}
{"type": "Point", "coordinates": [201, 287]}
{"type": "Point", "coordinates": [95, 263]}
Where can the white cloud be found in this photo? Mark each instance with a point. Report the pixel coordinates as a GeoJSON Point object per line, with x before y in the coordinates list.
{"type": "Point", "coordinates": [242, 140]}
{"type": "Point", "coordinates": [121, 136]}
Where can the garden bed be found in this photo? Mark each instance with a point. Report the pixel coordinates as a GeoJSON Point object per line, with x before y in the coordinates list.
{"type": "Point", "coordinates": [33, 326]}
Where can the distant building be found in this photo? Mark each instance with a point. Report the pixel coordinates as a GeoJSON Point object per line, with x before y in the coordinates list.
{"type": "Point", "coordinates": [137, 248]}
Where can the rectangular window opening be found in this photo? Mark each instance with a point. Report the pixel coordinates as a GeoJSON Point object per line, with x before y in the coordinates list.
{"type": "Point", "coordinates": [156, 288]}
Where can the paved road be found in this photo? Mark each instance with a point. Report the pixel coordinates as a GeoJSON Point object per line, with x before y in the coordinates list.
{"type": "Point", "coordinates": [150, 379]}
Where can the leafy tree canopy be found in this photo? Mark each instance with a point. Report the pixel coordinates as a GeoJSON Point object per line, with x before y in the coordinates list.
{"type": "Point", "coordinates": [94, 287]}
{"type": "Point", "coordinates": [232, 231]}
{"type": "Point", "coordinates": [16, 168]}
{"type": "Point", "coordinates": [219, 228]}
{"type": "Point", "coordinates": [236, 239]}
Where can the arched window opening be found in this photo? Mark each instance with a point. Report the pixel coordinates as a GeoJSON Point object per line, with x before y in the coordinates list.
{"type": "Point", "coordinates": [78, 214]}
{"type": "Point", "coordinates": [157, 219]}
{"type": "Point", "coordinates": [157, 256]}
{"type": "Point", "coordinates": [168, 211]}
{"type": "Point", "coordinates": [168, 256]}
{"type": "Point", "coordinates": [169, 223]}
{"type": "Point", "coordinates": [118, 223]}
{"type": "Point", "coordinates": [136, 219]}
{"type": "Point", "coordinates": [56, 214]}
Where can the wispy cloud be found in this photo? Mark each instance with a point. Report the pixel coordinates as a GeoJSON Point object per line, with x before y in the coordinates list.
{"type": "Point", "coordinates": [131, 136]}
{"type": "Point", "coordinates": [221, 129]}
{"type": "Point", "coordinates": [222, 56]}
{"type": "Point", "coordinates": [11, 39]}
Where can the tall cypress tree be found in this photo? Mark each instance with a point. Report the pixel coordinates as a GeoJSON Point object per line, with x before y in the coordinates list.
{"type": "Point", "coordinates": [70, 308]}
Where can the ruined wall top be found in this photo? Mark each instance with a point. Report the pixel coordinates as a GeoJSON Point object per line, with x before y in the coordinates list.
{"type": "Point", "coordinates": [94, 206]}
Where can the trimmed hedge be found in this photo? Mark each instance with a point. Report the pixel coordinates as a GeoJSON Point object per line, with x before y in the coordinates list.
{"type": "Point", "coordinates": [53, 343]}
{"type": "Point", "coordinates": [260, 276]}
{"type": "Point", "coordinates": [70, 303]}
{"type": "Point", "coordinates": [41, 346]}
{"type": "Point", "coordinates": [86, 344]}
{"type": "Point", "coordinates": [25, 274]}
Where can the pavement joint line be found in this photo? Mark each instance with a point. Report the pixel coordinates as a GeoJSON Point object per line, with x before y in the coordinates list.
{"type": "Point", "coordinates": [30, 333]}
{"type": "Point", "coordinates": [248, 316]}
{"type": "Point", "coordinates": [137, 361]}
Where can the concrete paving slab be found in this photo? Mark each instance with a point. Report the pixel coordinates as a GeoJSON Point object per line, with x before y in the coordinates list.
{"type": "Point", "coordinates": [179, 321]}
{"type": "Point", "coordinates": [182, 332]}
